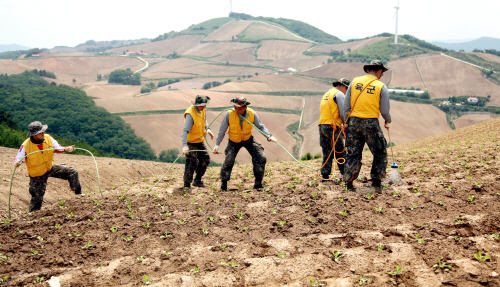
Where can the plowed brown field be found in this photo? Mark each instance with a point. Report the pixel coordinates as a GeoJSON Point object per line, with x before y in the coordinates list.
{"type": "Point", "coordinates": [245, 56]}
{"type": "Point", "coordinates": [158, 71]}
{"type": "Point", "coordinates": [445, 207]}
{"type": "Point", "coordinates": [13, 67]}
{"type": "Point", "coordinates": [354, 46]}
{"type": "Point", "coordinates": [178, 100]}
{"type": "Point", "coordinates": [179, 44]}
{"type": "Point", "coordinates": [288, 54]}
{"type": "Point", "coordinates": [410, 122]}
{"type": "Point", "coordinates": [213, 49]}
{"type": "Point", "coordinates": [196, 83]}
{"type": "Point", "coordinates": [164, 132]}
{"type": "Point", "coordinates": [471, 119]}
{"type": "Point", "coordinates": [112, 91]}
{"type": "Point", "coordinates": [261, 30]}
{"type": "Point", "coordinates": [487, 57]}
{"type": "Point", "coordinates": [222, 70]}
{"type": "Point", "coordinates": [228, 31]}
{"type": "Point", "coordinates": [405, 74]}
{"type": "Point", "coordinates": [464, 79]}
{"type": "Point", "coordinates": [291, 83]}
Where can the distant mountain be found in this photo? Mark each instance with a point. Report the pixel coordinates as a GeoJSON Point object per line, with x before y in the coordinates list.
{"type": "Point", "coordinates": [481, 43]}
{"type": "Point", "coordinates": [12, 47]}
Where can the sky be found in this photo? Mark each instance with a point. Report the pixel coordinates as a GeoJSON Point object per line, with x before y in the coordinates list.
{"type": "Point", "coordinates": [49, 23]}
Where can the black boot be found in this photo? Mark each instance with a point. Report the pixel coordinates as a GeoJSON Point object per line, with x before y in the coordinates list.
{"type": "Point", "coordinates": [258, 185]}
{"type": "Point", "coordinates": [349, 186]}
{"type": "Point", "coordinates": [78, 191]}
{"type": "Point", "coordinates": [223, 186]}
{"type": "Point", "coordinates": [325, 178]}
{"type": "Point", "coordinates": [187, 185]}
{"type": "Point", "coordinates": [198, 183]}
{"type": "Point", "coordinates": [376, 183]}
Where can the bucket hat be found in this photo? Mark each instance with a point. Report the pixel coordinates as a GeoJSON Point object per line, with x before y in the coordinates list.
{"type": "Point", "coordinates": [36, 128]}
{"type": "Point", "coordinates": [240, 101]}
{"type": "Point", "coordinates": [342, 81]}
{"type": "Point", "coordinates": [201, 100]}
{"type": "Point", "coordinates": [375, 64]}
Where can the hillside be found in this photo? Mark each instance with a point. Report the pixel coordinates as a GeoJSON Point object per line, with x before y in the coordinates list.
{"type": "Point", "coordinates": [12, 47]}
{"type": "Point", "coordinates": [468, 46]}
{"type": "Point", "coordinates": [291, 234]}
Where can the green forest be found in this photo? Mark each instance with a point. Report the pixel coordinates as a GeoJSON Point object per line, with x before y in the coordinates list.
{"type": "Point", "coordinates": [71, 115]}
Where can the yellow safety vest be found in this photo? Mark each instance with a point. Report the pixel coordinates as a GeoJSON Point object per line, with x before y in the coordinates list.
{"type": "Point", "coordinates": [41, 162]}
{"type": "Point", "coordinates": [197, 132]}
{"type": "Point", "coordinates": [367, 104]}
{"type": "Point", "coordinates": [328, 109]}
{"type": "Point", "coordinates": [236, 133]}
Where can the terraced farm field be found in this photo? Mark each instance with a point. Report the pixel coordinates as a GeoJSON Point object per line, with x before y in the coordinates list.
{"type": "Point", "coordinates": [213, 49]}
{"type": "Point", "coordinates": [354, 46]}
{"type": "Point", "coordinates": [179, 44]}
{"type": "Point", "coordinates": [471, 119]}
{"type": "Point", "coordinates": [405, 74]}
{"type": "Point", "coordinates": [245, 56]}
{"type": "Point", "coordinates": [297, 233]}
{"type": "Point", "coordinates": [342, 70]}
{"type": "Point", "coordinates": [228, 31]}
{"type": "Point", "coordinates": [261, 31]}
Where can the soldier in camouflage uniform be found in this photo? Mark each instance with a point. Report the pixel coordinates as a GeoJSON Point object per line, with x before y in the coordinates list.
{"type": "Point", "coordinates": [365, 99]}
{"type": "Point", "coordinates": [240, 135]}
{"type": "Point", "coordinates": [41, 164]}
{"type": "Point", "coordinates": [331, 118]}
{"type": "Point", "coordinates": [193, 135]}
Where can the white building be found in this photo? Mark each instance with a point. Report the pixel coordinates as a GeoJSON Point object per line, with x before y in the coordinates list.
{"type": "Point", "coordinates": [472, 100]}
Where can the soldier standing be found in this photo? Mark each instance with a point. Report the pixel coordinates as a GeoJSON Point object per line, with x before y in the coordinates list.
{"type": "Point", "coordinates": [240, 135]}
{"type": "Point", "coordinates": [331, 117]}
{"type": "Point", "coordinates": [365, 99]}
{"type": "Point", "coordinates": [193, 135]}
{"type": "Point", "coordinates": [41, 164]}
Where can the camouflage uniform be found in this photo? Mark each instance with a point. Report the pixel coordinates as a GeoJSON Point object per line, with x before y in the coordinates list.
{"type": "Point", "coordinates": [38, 184]}
{"type": "Point", "coordinates": [325, 140]}
{"type": "Point", "coordinates": [258, 159]}
{"type": "Point", "coordinates": [196, 161]}
{"type": "Point", "coordinates": [359, 132]}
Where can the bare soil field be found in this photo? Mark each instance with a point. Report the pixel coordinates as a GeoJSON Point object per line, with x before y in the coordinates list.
{"type": "Point", "coordinates": [291, 83]}
{"type": "Point", "coordinates": [471, 119]}
{"type": "Point", "coordinates": [13, 67]}
{"type": "Point", "coordinates": [244, 56]}
{"type": "Point", "coordinates": [209, 50]}
{"type": "Point", "coordinates": [244, 86]}
{"type": "Point", "coordinates": [405, 74]}
{"type": "Point", "coordinates": [63, 50]}
{"type": "Point", "coordinates": [164, 132]}
{"type": "Point", "coordinates": [112, 91]}
{"type": "Point", "coordinates": [354, 46]}
{"type": "Point", "coordinates": [288, 54]}
{"type": "Point", "coordinates": [410, 122]}
{"type": "Point", "coordinates": [228, 31]}
{"type": "Point", "coordinates": [179, 44]}
{"type": "Point", "coordinates": [342, 70]}
{"type": "Point", "coordinates": [222, 70]}
{"type": "Point", "coordinates": [487, 57]}
{"type": "Point", "coordinates": [196, 83]}
{"type": "Point", "coordinates": [178, 100]}
{"type": "Point", "coordinates": [296, 233]}
{"type": "Point", "coordinates": [261, 30]}
{"type": "Point", "coordinates": [432, 69]}
{"type": "Point", "coordinates": [158, 70]}
{"type": "Point", "coordinates": [74, 54]}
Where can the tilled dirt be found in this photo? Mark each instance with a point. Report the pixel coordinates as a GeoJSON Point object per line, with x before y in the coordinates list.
{"type": "Point", "coordinates": [283, 236]}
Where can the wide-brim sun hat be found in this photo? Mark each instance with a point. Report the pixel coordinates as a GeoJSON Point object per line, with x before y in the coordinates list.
{"type": "Point", "coordinates": [36, 128]}
{"type": "Point", "coordinates": [342, 81]}
{"type": "Point", "coordinates": [375, 64]}
{"type": "Point", "coordinates": [240, 101]}
{"type": "Point", "coordinates": [201, 100]}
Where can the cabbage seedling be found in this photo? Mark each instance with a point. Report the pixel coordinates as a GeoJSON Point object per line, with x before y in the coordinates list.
{"type": "Point", "coordinates": [281, 255]}
{"type": "Point", "coordinates": [369, 196]}
{"type": "Point", "coordinates": [363, 280]}
{"type": "Point", "coordinates": [195, 270]}
{"type": "Point", "coordinates": [140, 258]}
{"type": "Point", "coordinates": [146, 225]}
{"type": "Point", "coordinates": [343, 213]}
{"type": "Point", "coordinates": [441, 265]}
{"type": "Point", "coordinates": [379, 209]}
{"type": "Point", "coordinates": [336, 255]}
{"type": "Point", "coordinates": [398, 271]}
{"type": "Point", "coordinates": [380, 248]}
{"type": "Point", "coordinates": [113, 229]}
{"type": "Point", "coordinates": [146, 279]}
{"type": "Point", "coordinates": [479, 257]}
{"type": "Point", "coordinates": [413, 207]}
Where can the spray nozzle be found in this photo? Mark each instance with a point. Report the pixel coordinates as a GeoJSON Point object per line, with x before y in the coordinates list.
{"type": "Point", "coordinates": [394, 165]}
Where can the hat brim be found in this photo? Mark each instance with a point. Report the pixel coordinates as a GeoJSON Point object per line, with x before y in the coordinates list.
{"type": "Point", "coordinates": [198, 105]}
{"type": "Point", "coordinates": [365, 68]}
{"type": "Point", "coordinates": [44, 128]}
{"type": "Point", "coordinates": [239, 106]}
{"type": "Point", "coordinates": [335, 84]}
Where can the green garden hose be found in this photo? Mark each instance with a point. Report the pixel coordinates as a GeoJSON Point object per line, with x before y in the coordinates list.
{"type": "Point", "coordinates": [13, 173]}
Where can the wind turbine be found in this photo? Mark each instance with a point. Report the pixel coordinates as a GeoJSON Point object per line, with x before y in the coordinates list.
{"type": "Point", "coordinates": [396, 14]}
{"type": "Point", "coordinates": [231, 5]}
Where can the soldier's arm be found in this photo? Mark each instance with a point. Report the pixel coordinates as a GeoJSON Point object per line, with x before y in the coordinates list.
{"type": "Point", "coordinates": [339, 97]}
{"type": "Point", "coordinates": [347, 101]}
{"type": "Point", "coordinates": [223, 128]}
{"type": "Point", "coordinates": [260, 125]}
{"type": "Point", "coordinates": [187, 127]}
{"type": "Point", "coordinates": [385, 104]}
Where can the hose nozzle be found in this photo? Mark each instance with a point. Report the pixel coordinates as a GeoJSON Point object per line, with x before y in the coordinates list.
{"type": "Point", "coordinates": [394, 165]}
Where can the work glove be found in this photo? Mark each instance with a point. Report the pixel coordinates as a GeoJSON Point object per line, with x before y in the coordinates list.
{"type": "Point", "coordinates": [211, 134]}
{"type": "Point", "coordinates": [272, 139]}
{"type": "Point", "coordinates": [17, 163]}
{"type": "Point", "coordinates": [185, 150]}
{"type": "Point", "coordinates": [387, 125]}
{"type": "Point", "coordinates": [216, 149]}
{"type": "Point", "coordinates": [70, 148]}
